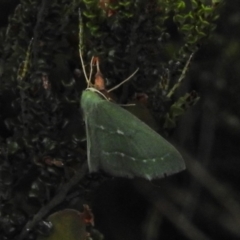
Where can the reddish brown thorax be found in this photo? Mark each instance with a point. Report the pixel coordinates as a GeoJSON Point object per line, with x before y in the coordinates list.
{"type": "Point", "coordinates": [99, 82]}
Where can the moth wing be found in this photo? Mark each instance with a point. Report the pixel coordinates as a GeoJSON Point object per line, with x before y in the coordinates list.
{"type": "Point", "coordinates": [122, 145]}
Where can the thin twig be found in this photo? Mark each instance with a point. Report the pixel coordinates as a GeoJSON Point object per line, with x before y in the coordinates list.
{"type": "Point", "coordinates": [182, 76]}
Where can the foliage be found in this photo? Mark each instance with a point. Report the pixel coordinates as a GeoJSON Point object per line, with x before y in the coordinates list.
{"type": "Point", "coordinates": [68, 224]}
{"type": "Point", "coordinates": [41, 128]}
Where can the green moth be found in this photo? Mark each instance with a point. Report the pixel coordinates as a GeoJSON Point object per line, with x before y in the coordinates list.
{"type": "Point", "coordinates": [118, 142]}
{"type": "Point", "coordinates": [121, 144]}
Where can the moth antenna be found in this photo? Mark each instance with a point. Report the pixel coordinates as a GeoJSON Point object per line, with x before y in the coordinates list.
{"type": "Point", "coordinates": [80, 45]}
{"type": "Point", "coordinates": [124, 81]}
{"type": "Point", "coordinates": [98, 68]}
{"type": "Point", "coordinates": [182, 76]}
{"type": "Point", "coordinates": [91, 70]}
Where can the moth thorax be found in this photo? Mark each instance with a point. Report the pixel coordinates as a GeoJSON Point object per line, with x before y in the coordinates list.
{"type": "Point", "coordinates": [99, 82]}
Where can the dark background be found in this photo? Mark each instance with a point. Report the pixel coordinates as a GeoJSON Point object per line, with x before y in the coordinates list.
{"type": "Point", "coordinates": [203, 201]}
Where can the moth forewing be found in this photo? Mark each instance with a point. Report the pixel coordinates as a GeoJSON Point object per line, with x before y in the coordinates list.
{"type": "Point", "coordinates": [122, 145]}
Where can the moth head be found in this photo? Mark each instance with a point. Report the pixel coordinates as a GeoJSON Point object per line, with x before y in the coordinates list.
{"type": "Point", "coordinates": [93, 89]}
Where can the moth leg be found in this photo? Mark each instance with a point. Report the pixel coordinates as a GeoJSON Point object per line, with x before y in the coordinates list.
{"type": "Point", "coordinates": [125, 80]}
